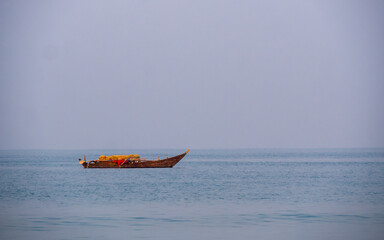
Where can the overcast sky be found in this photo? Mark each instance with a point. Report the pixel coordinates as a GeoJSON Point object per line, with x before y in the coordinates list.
{"type": "Point", "coordinates": [191, 74]}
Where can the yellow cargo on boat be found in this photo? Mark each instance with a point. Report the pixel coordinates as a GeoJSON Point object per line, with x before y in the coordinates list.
{"type": "Point", "coordinates": [119, 157]}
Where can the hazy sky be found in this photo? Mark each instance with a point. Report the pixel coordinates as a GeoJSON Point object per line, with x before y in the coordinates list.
{"type": "Point", "coordinates": [191, 74]}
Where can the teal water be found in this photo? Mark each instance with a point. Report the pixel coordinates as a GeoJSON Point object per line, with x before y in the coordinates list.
{"type": "Point", "coordinates": [210, 194]}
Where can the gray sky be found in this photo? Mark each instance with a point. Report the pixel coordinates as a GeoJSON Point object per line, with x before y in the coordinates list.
{"type": "Point", "coordinates": [191, 74]}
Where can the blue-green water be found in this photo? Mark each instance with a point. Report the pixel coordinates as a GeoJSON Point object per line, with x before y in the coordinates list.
{"type": "Point", "coordinates": [210, 194]}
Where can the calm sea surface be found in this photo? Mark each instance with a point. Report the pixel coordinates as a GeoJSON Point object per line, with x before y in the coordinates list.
{"type": "Point", "coordinates": [210, 194]}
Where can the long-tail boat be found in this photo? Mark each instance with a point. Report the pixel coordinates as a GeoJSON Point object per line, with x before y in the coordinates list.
{"type": "Point", "coordinates": [133, 163]}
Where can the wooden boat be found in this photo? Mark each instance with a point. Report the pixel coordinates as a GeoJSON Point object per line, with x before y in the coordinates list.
{"type": "Point", "coordinates": [133, 163]}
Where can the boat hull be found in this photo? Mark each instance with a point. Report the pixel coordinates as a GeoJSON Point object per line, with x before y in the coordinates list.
{"type": "Point", "coordinates": [163, 163]}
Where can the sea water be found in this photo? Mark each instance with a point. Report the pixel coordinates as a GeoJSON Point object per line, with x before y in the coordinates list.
{"type": "Point", "coordinates": [210, 194]}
